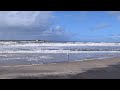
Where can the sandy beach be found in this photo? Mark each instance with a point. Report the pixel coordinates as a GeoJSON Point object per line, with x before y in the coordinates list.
{"type": "Point", "coordinates": [88, 69]}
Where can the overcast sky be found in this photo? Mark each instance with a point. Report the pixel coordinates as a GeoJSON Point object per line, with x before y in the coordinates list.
{"type": "Point", "coordinates": [60, 25]}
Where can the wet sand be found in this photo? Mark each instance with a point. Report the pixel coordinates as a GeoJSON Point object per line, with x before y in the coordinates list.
{"type": "Point", "coordinates": [88, 69]}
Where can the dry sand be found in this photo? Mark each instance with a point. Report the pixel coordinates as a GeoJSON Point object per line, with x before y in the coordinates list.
{"type": "Point", "coordinates": [89, 69]}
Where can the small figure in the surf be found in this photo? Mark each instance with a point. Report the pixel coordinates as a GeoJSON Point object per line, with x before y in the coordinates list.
{"type": "Point", "coordinates": [68, 55]}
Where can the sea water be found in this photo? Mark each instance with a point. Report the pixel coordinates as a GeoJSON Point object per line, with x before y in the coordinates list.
{"type": "Point", "coordinates": [36, 52]}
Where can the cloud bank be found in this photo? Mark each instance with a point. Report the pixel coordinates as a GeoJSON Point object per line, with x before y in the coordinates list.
{"type": "Point", "coordinates": [29, 25]}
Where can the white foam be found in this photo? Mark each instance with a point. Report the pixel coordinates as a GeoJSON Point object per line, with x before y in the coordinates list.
{"type": "Point", "coordinates": [59, 51]}
{"type": "Point", "coordinates": [60, 44]}
{"type": "Point", "coordinates": [68, 44]}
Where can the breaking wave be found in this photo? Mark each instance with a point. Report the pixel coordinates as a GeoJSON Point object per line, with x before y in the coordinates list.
{"type": "Point", "coordinates": [57, 47]}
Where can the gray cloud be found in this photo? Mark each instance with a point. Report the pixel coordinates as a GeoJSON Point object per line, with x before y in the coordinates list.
{"type": "Point", "coordinates": [100, 26]}
{"type": "Point", "coordinates": [115, 13]}
{"type": "Point", "coordinates": [57, 33]}
{"type": "Point", "coordinates": [115, 36]}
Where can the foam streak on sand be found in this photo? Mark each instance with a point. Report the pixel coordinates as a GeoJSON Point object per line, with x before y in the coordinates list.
{"type": "Point", "coordinates": [21, 65]}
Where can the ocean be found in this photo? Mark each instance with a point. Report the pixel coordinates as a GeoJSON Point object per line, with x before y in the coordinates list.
{"type": "Point", "coordinates": [38, 52]}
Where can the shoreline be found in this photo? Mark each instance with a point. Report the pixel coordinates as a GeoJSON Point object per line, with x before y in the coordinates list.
{"type": "Point", "coordinates": [64, 70]}
{"type": "Point", "coordinates": [82, 60]}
